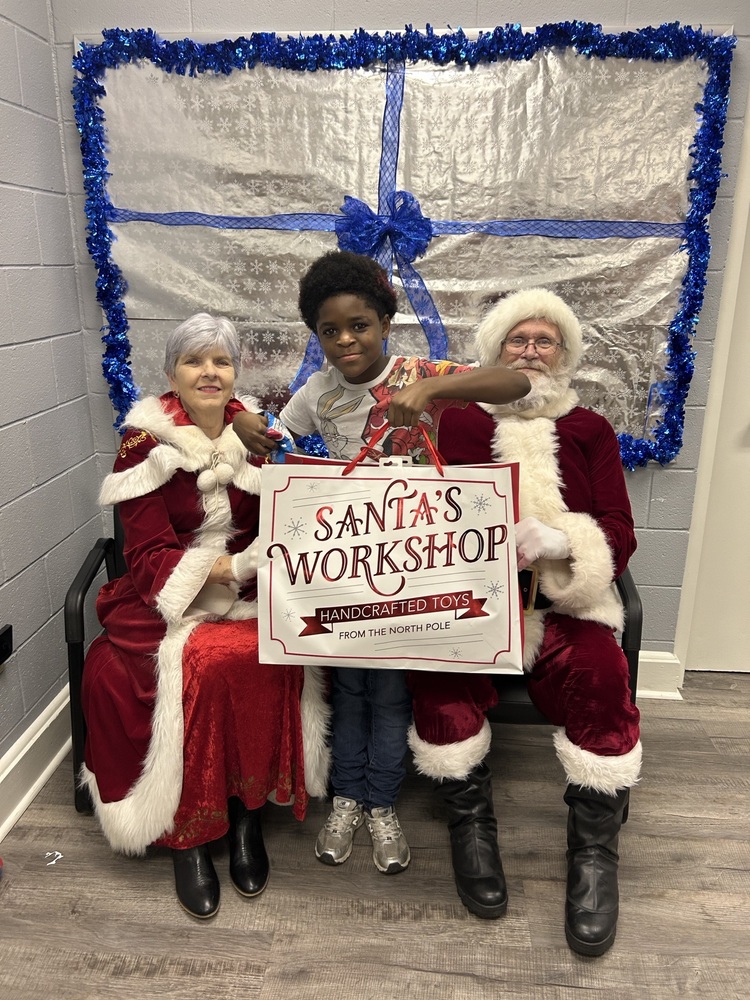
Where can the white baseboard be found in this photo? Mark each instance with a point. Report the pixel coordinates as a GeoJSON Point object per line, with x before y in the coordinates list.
{"type": "Point", "coordinates": [660, 675]}
{"type": "Point", "coordinates": [32, 759]}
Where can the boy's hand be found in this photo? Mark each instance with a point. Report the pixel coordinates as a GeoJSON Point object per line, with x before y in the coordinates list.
{"type": "Point", "coordinates": [408, 405]}
{"type": "Point", "coordinates": [251, 429]}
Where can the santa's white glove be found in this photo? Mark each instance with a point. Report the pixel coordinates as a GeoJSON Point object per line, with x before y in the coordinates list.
{"type": "Point", "coordinates": [245, 563]}
{"type": "Point", "coordinates": [535, 540]}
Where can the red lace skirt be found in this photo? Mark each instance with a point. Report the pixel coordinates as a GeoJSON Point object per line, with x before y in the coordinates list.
{"type": "Point", "coordinates": [242, 726]}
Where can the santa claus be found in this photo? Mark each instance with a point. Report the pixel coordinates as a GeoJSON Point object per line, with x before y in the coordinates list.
{"type": "Point", "coordinates": [576, 531]}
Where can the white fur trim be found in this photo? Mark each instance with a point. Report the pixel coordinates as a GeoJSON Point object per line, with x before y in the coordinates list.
{"type": "Point", "coordinates": [533, 636]}
{"type": "Point", "coordinates": [581, 586]}
{"type": "Point", "coordinates": [186, 581]}
{"type": "Point", "coordinates": [530, 303]}
{"type": "Point", "coordinates": [154, 471]}
{"type": "Point", "coordinates": [181, 447]}
{"type": "Point", "coordinates": [602, 774]}
{"type": "Point", "coordinates": [250, 403]}
{"type": "Point", "coordinates": [148, 810]}
{"type": "Point", "coordinates": [450, 760]}
{"type": "Point", "coordinates": [533, 444]}
{"type": "Point", "coordinates": [148, 414]}
{"type": "Point", "coordinates": [316, 720]}
{"type": "Point", "coordinates": [247, 478]}
{"type": "Point", "coordinates": [196, 449]}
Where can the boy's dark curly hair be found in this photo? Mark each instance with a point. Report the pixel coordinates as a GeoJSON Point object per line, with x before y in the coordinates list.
{"type": "Point", "coordinates": [341, 272]}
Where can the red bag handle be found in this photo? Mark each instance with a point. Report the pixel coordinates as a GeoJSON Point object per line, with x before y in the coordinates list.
{"type": "Point", "coordinates": [437, 459]}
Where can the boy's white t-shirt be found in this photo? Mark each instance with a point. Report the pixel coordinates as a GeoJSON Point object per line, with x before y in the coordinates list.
{"type": "Point", "coordinates": [347, 415]}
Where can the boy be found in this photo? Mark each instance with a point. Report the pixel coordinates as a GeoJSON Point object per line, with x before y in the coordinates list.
{"type": "Point", "coordinates": [347, 300]}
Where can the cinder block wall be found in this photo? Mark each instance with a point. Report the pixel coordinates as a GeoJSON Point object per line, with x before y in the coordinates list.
{"type": "Point", "coordinates": [56, 437]}
{"type": "Point", "coordinates": [50, 471]}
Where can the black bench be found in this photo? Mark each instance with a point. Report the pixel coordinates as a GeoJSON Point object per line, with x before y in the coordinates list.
{"type": "Point", "coordinates": [514, 706]}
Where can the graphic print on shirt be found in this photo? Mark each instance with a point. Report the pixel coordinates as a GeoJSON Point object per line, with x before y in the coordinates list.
{"type": "Point", "coordinates": [409, 440]}
{"type": "Point", "coordinates": [328, 413]}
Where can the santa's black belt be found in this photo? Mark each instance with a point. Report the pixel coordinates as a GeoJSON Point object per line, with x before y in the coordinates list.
{"type": "Point", "coordinates": [532, 599]}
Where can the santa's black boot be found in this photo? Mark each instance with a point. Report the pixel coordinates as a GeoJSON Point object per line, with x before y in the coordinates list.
{"type": "Point", "coordinates": [592, 900]}
{"type": "Point", "coordinates": [473, 828]}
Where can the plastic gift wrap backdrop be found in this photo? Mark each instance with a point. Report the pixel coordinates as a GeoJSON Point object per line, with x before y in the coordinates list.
{"type": "Point", "coordinates": [557, 170]}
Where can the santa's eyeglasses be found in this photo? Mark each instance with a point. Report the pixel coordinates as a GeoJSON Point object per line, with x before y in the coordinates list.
{"type": "Point", "coordinates": [543, 345]}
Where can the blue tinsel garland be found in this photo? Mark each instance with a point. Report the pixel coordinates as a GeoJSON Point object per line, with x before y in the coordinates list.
{"type": "Point", "coordinates": [307, 54]}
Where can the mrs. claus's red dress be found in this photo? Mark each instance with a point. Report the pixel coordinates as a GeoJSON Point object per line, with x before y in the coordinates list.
{"type": "Point", "coordinates": [180, 713]}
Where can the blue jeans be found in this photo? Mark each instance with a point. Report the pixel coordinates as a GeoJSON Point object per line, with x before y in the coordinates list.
{"type": "Point", "coordinates": [371, 716]}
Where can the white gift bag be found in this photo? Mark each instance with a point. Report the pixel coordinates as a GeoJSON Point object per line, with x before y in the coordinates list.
{"type": "Point", "coordinates": [406, 566]}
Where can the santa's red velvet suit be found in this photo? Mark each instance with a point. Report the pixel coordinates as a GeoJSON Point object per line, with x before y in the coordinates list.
{"type": "Point", "coordinates": [570, 478]}
{"type": "Point", "coordinates": [180, 713]}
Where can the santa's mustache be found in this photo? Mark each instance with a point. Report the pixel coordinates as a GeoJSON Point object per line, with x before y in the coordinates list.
{"type": "Point", "coordinates": [529, 363]}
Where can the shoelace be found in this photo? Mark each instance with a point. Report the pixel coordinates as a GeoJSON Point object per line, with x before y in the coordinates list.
{"type": "Point", "coordinates": [341, 822]}
{"type": "Point", "coordinates": [385, 828]}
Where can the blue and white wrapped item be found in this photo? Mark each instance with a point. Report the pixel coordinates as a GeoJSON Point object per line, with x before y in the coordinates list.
{"type": "Point", "coordinates": [278, 432]}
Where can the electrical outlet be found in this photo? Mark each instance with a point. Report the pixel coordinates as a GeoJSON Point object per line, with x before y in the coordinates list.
{"type": "Point", "coordinates": [6, 642]}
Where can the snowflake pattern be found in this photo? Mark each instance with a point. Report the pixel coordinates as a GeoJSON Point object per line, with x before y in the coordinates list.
{"type": "Point", "coordinates": [254, 274]}
{"type": "Point", "coordinates": [296, 528]}
{"type": "Point", "coordinates": [495, 588]}
{"type": "Point", "coordinates": [480, 503]}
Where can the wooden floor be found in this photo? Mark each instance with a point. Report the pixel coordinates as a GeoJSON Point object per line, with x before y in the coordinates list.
{"type": "Point", "coordinates": [94, 925]}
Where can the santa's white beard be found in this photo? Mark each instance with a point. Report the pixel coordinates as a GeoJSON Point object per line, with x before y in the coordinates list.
{"type": "Point", "coordinates": [547, 385]}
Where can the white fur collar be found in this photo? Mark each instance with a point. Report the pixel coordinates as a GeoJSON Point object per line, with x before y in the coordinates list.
{"type": "Point", "coordinates": [195, 447]}
{"type": "Point", "coordinates": [180, 447]}
{"type": "Point", "coordinates": [533, 444]}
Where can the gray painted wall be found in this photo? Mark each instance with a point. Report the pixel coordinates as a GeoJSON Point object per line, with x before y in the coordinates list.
{"type": "Point", "coordinates": [56, 437]}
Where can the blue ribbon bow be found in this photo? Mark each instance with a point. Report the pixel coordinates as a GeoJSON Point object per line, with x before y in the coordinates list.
{"type": "Point", "coordinates": [409, 233]}
{"type": "Point", "coordinates": [362, 231]}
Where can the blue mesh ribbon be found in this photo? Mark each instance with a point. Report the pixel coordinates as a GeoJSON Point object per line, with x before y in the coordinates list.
{"type": "Point", "coordinates": [408, 232]}
{"type": "Point", "coordinates": [362, 231]}
{"type": "Point", "coordinates": [571, 229]}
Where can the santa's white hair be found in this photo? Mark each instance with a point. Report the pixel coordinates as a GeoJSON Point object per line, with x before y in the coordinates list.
{"type": "Point", "coordinates": [531, 303]}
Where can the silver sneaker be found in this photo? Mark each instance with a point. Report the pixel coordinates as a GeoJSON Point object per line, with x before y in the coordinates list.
{"type": "Point", "coordinates": [334, 843]}
{"type": "Point", "coordinates": [390, 852]}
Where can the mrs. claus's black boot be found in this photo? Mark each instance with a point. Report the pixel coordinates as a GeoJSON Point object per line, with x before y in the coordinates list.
{"type": "Point", "coordinates": [592, 901]}
{"type": "Point", "coordinates": [196, 881]}
{"type": "Point", "coordinates": [248, 862]}
{"type": "Point", "coordinates": [476, 858]}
